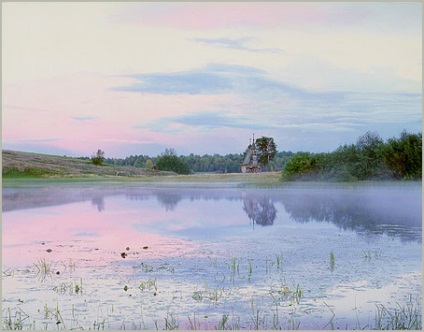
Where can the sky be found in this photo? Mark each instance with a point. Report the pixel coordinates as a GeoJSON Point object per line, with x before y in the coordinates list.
{"type": "Point", "coordinates": [135, 78]}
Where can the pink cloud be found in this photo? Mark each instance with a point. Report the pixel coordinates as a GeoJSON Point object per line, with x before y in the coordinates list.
{"type": "Point", "coordinates": [251, 14]}
{"type": "Point", "coordinates": [79, 114]}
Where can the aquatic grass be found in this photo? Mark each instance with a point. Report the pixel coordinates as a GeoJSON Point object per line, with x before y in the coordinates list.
{"type": "Point", "coordinates": [44, 268]}
{"type": "Point", "coordinates": [223, 322]}
{"type": "Point", "coordinates": [276, 319]}
{"type": "Point", "coordinates": [332, 261]}
{"type": "Point", "coordinates": [54, 314]}
{"type": "Point", "coordinates": [198, 296]}
{"type": "Point", "coordinates": [46, 311]}
{"type": "Point", "coordinates": [142, 316]}
{"type": "Point", "coordinates": [195, 323]}
{"type": "Point", "coordinates": [378, 254]}
{"type": "Point", "coordinates": [267, 265]}
{"type": "Point", "coordinates": [14, 321]}
{"type": "Point", "coordinates": [235, 323]}
{"type": "Point", "coordinates": [216, 294]}
{"type": "Point", "coordinates": [150, 283]}
{"type": "Point", "coordinates": [279, 260]}
{"type": "Point", "coordinates": [297, 294]}
{"type": "Point", "coordinates": [406, 317]}
{"type": "Point", "coordinates": [144, 267]}
{"type": "Point", "coordinates": [213, 261]}
{"type": "Point", "coordinates": [58, 316]}
{"type": "Point", "coordinates": [286, 293]}
{"type": "Point", "coordinates": [72, 288]}
{"type": "Point", "coordinates": [366, 254]}
{"type": "Point", "coordinates": [235, 266]}
{"type": "Point", "coordinates": [226, 324]}
{"type": "Point", "coordinates": [62, 288]}
{"type": "Point", "coordinates": [170, 322]}
{"type": "Point", "coordinates": [330, 322]}
{"type": "Point", "coordinates": [255, 315]}
{"type": "Point", "coordinates": [99, 325]}
{"type": "Point", "coordinates": [250, 271]}
{"type": "Point", "coordinates": [77, 287]}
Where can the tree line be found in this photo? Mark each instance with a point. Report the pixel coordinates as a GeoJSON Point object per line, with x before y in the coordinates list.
{"type": "Point", "coordinates": [370, 158]}
{"type": "Point", "coordinates": [207, 163]}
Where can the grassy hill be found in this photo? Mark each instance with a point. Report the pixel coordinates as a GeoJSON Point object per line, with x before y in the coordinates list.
{"type": "Point", "coordinates": [33, 165]}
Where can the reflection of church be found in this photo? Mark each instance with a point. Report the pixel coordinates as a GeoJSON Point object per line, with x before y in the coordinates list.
{"type": "Point", "coordinates": [260, 209]}
{"type": "Point", "coordinates": [250, 163]}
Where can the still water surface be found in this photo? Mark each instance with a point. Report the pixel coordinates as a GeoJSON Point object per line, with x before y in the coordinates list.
{"type": "Point", "coordinates": [134, 257]}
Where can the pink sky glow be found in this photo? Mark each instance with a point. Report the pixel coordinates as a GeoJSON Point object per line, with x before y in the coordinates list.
{"type": "Point", "coordinates": [137, 78]}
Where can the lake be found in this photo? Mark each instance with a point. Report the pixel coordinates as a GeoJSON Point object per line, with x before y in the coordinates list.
{"type": "Point", "coordinates": [139, 256]}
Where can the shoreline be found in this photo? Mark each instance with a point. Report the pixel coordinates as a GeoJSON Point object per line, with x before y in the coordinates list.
{"type": "Point", "coordinates": [264, 180]}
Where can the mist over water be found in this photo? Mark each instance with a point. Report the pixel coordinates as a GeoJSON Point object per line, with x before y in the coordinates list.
{"type": "Point", "coordinates": [391, 210]}
{"type": "Point", "coordinates": [347, 248]}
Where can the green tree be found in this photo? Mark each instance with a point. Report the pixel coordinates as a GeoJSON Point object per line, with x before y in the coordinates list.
{"type": "Point", "coordinates": [267, 149]}
{"type": "Point", "coordinates": [99, 158]}
{"type": "Point", "coordinates": [301, 165]}
{"type": "Point", "coordinates": [404, 156]}
{"type": "Point", "coordinates": [170, 162]}
{"type": "Point", "coordinates": [149, 164]}
{"type": "Point", "coordinates": [369, 147]}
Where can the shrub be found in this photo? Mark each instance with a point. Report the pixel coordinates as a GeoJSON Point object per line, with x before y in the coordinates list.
{"type": "Point", "coordinates": [99, 158]}
{"type": "Point", "coordinates": [301, 165]}
{"type": "Point", "coordinates": [172, 163]}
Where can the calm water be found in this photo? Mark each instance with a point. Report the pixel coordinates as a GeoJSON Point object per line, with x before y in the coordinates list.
{"type": "Point", "coordinates": [115, 257]}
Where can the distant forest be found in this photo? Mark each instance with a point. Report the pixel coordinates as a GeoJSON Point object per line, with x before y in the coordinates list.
{"type": "Point", "coordinates": [215, 163]}
{"type": "Point", "coordinates": [370, 158]}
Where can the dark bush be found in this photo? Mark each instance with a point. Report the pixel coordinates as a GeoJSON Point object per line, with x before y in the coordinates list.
{"type": "Point", "coordinates": [172, 163]}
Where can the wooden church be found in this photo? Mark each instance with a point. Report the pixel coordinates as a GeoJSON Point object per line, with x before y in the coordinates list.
{"type": "Point", "coordinates": [250, 163]}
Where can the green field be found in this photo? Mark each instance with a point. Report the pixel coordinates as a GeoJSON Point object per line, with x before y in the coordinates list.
{"type": "Point", "coordinates": [24, 166]}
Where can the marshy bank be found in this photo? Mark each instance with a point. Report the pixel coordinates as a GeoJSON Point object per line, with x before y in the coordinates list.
{"type": "Point", "coordinates": [138, 256]}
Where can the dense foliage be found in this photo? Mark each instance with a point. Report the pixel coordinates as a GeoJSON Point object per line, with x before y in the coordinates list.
{"type": "Point", "coordinates": [215, 163]}
{"type": "Point", "coordinates": [369, 159]}
{"type": "Point", "coordinates": [170, 162]}
{"type": "Point", "coordinates": [267, 149]}
{"type": "Point", "coordinates": [99, 158]}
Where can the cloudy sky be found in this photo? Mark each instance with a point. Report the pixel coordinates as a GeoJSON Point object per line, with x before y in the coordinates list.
{"type": "Point", "coordinates": [136, 78]}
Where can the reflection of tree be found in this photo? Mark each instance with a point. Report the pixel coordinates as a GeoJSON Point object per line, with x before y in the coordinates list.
{"type": "Point", "coordinates": [168, 200]}
{"type": "Point", "coordinates": [393, 210]}
{"type": "Point", "coordinates": [99, 202]}
{"type": "Point", "coordinates": [260, 209]}
{"type": "Point", "coordinates": [365, 213]}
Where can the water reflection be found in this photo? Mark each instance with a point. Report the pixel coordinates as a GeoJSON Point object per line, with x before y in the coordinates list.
{"type": "Point", "coordinates": [169, 200]}
{"type": "Point", "coordinates": [99, 202]}
{"type": "Point", "coordinates": [394, 213]}
{"type": "Point", "coordinates": [391, 211]}
{"type": "Point", "coordinates": [259, 209]}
